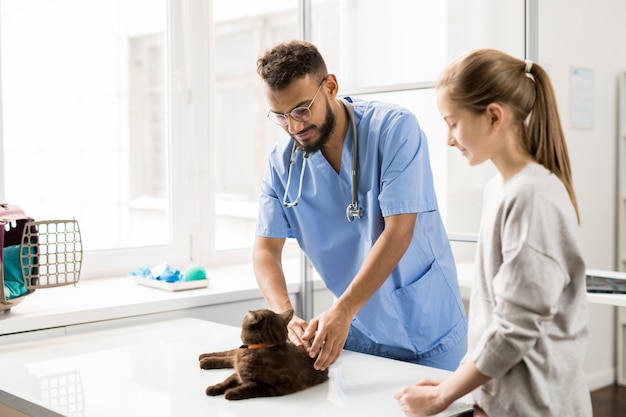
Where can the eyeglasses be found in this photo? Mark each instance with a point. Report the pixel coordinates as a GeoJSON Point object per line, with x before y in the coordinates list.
{"type": "Point", "coordinates": [300, 114]}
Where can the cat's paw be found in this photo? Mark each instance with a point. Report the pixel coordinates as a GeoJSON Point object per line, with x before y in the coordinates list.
{"type": "Point", "coordinates": [235, 394]}
{"type": "Point", "coordinates": [210, 362]}
{"type": "Point", "coordinates": [213, 390]}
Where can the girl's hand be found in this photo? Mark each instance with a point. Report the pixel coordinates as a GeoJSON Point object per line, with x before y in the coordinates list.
{"type": "Point", "coordinates": [421, 399]}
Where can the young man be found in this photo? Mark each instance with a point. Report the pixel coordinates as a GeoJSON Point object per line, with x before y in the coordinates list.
{"type": "Point", "coordinates": [353, 185]}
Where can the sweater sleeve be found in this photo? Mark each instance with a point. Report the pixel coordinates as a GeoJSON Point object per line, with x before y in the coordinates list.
{"type": "Point", "coordinates": [526, 290]}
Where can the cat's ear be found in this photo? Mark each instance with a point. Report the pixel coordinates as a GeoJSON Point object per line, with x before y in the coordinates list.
{"type": "Point", "coordinates": [287, 315]}
{"type": "Point", "coordinates": [251, 317]}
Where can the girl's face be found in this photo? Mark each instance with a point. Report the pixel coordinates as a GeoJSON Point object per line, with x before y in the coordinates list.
{"type": "Point", "coordinates": [468, 131]}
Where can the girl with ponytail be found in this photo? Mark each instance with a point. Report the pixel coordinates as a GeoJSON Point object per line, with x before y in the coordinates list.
{"type": "Point", "coordinates": [528, 308]}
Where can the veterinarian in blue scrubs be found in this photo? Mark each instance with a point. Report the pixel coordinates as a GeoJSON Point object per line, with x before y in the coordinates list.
{"type": "Point", "coordinates": [381, 249]}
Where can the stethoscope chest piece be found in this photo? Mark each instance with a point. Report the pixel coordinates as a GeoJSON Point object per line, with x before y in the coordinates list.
{"type": "Point", "coordinates": [354, 212]}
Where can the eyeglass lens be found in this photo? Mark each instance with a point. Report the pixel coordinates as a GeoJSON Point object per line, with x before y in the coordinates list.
{"type": "Point", "coordinates": [300, 114]}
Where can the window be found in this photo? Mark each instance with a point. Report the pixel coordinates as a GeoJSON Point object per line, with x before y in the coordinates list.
{"type": "Point", "coordinates": [394, 51]}
{"type": "Point", "coordinates": [145, 120]}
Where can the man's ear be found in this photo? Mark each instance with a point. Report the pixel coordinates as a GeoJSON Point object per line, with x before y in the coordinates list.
{"type": "Point", "coordinates": [332, 86]}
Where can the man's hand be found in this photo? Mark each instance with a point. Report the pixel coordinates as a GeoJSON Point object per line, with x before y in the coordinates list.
{"type": "Point", "coordinates": [329, 332]}
{"type": "Point", "coordinates": [296, 328]}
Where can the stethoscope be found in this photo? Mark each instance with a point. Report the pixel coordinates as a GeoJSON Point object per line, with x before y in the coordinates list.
{"type": "Point", "coordinates": [354, 210]}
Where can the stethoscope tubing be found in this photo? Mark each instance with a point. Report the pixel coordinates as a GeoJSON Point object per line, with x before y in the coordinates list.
{"type": "Point", "coordinates": [353, 211]}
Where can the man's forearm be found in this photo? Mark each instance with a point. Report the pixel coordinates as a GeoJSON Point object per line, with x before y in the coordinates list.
{"type": "Point", "coordinates": [380, 262]}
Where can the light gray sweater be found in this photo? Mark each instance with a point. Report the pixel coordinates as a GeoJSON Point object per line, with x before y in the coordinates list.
{"type": "Point", "coordinates": [528, 307]}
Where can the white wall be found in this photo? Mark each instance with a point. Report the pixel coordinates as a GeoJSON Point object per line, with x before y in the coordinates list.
{"type": "Point", "coordinates": [590, 34]}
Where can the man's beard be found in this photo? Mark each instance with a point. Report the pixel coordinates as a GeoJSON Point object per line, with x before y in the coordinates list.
{"type": "Point", "coordinates": [325, 130]}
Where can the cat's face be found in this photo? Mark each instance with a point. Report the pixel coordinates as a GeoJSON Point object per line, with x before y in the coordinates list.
{"type": "Point", "coordinates": [265, 326]}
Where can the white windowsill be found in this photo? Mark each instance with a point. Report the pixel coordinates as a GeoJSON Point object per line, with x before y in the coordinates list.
{"type": "Point", "coordinates": [97, 300]}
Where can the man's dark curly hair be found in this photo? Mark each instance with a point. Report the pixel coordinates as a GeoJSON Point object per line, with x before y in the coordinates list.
{"type": "Point", "coordinates": [290, 61]}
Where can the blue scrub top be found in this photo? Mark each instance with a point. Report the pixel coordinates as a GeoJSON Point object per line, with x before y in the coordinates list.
{"type": "Point", "coordinates": [419, 305]}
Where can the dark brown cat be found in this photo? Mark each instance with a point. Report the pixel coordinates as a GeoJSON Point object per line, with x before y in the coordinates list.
{"type": "Point", "coordinates": [267, 365]}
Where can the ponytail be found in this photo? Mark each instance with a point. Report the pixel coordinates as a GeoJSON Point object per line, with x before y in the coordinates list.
{"type": "Point", "coordinates": [544, 137]}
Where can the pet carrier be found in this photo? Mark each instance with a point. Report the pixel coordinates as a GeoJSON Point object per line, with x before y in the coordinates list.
{"type": "Point", "coordinates": [35, 254]}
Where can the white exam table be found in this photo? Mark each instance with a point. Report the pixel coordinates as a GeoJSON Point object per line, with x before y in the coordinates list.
{"type": "Point", "coordinates": [152, 370]}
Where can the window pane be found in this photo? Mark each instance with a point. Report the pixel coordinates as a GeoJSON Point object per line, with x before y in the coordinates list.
{"type": "Point", "coordinates": [244, 30]}
{"type": "Point", "coordinates": [393, 42]}
{"type": "Point", "coordinates": [84, 122]}
{"type": "Point", "coordinates": [373, 42]}
{"type": "Point", "coordinates": [400, 47]}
